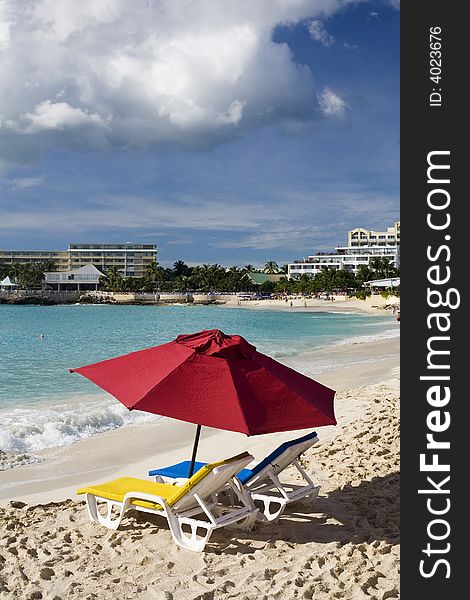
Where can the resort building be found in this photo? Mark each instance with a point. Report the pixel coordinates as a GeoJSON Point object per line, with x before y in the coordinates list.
{"type": "Point", "coordinates": [366, 237]}
{"type": "Point", "coordinates": [359, 252]}
{"type": "Point", "coordinates": [131, 260]}
{"type": "Point", "coordinates": [59, 258]}
{"type": "Point", "coordinates": [85, 278]}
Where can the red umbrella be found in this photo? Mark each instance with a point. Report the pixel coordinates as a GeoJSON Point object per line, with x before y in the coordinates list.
{"type": "Point", "coordinates": [218, 380]}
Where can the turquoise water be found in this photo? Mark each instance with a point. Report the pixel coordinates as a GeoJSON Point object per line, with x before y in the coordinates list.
{"type": "Point", "coordinates": [43, 405]}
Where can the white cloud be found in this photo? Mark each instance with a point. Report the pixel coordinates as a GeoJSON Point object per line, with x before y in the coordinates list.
{"type": "Point", "coordinates": [24, 183]}
{"type": "Point", "coordinates": [5, 24]}
{"type": "Point", "coordinates": [222, 221]}
{"type": "Point", "coordinates": [319, 33]}
{"type": "Point", "coordinates": [59, 115]}
{"type": "Point", "coordinates": [331, 104]}
{"type": "Point", "coordinates": [126, 74]}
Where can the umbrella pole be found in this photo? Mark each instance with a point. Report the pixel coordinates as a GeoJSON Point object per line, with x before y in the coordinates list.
{"type": "Point", "coordinates": [193, 457]}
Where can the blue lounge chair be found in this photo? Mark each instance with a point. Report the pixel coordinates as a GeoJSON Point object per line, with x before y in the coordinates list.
{"type": "Point", "coordinates": [262, 481]}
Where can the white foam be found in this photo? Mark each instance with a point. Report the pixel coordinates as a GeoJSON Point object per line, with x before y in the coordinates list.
{"type": "Point", "coordinates": [325, 366]}
{"type": "Point", "coordinates": [10, 460]}
{"type": "Point", "coordinates": [335, 312]}
{"type": "Point", "coordinates": [43, 425]}
{"type": "Point", "coordinates": [388, 334]}
{"type": "Point", "coordinates": [279, 352]}
{"type": "Point", "coordinates": [284, 351]}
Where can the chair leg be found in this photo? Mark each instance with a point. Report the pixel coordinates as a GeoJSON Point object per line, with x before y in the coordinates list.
{"type": "Point", "coordinates": [268, 513]}
{"type": "Point", "coordinates": [246, 524]}
{"type": "Point", "coordinates": [108, 520]}
{"type": "Point", "coordinates": [185, 540]}
{"type": "Point", "coordinates": [309, 498]}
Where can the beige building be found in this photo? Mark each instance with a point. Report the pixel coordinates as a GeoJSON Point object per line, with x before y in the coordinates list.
{"type": "Point", "coordinates": [131, 260]}
{"type": "Point", "coordinates": [367, 237]}
{"type": "Point", "coordinates": [60, 258]}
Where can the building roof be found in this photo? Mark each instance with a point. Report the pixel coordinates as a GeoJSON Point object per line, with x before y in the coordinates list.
{"type": "Point", "coordinates": [88, 269]}
{"type": "Point", "coordinates": [87, 274]}
{"type": "Point", "coordinates": [390, 282]}
{"type": "Point", "coordinates": [8, 282]}
{"type": "Point", "coordinates": [259, 278]}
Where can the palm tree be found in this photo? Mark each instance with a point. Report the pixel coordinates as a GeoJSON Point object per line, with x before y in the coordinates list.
{"type": "Point", "coordinates": [363, 274]}
{"type": "Point", "coordinates": [271, 267]}
{"type": "Point", "coordinates": [113, 281]}
{"type": "Point", "coordinates": [181, 268]}
{"type": "Point", "coordinates": [151, 271]}
{"type": "Point", "coordinates": [29, 276]}
{"type": "Point", "coordinates": [382, 267]}
{"type": "Point", "coordinates": [154, 274]}
{"type": "Point", "coordinates": [249, 268]}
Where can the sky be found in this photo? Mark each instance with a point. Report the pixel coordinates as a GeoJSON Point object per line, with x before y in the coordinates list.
{"type": "Point", "coordinates": [236, 131]}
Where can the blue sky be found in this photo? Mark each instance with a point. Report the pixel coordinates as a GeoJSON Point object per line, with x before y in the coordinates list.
{"type": "Point", "coordinates": [234, 136]}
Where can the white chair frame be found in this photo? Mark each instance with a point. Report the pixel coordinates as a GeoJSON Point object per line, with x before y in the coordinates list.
{"type": "Point", "coordinates": [201, 500]}
{"type": "Point", "coordinates": [266, 488]}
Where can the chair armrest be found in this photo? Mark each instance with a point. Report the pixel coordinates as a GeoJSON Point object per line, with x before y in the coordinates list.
{"type": "Point", "coordinates": [148, 497]}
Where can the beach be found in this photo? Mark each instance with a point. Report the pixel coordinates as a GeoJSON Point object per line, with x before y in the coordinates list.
{"type": "Point", "coordinates": [343, 546]}
{"type": "Point", "coordinates": [372, 305]}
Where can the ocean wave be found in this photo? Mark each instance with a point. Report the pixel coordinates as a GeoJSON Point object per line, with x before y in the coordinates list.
{"type": "Point", "coordinates": [43, 425]}
{"type": "Point", "coordinates": [377, 337]}
{"type": "Point", "coordinates": [325, 366]}
{"type": "Point", "coordinates": [321, 314]}
{"type": "Point", "coordinates": [283, 351]}
{"type": "Point", "coordinates": [280, 351]}
{"type": "Point", "coordinates": [10, 460]}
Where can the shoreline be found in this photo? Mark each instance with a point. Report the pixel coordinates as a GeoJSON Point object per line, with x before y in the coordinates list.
{"type": "Point", "coordinates": [134, 449]}
{"type": "Point", "coordinates": [372, 305]}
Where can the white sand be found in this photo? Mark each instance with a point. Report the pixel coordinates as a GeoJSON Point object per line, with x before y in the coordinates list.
{"type": "Point", "coordinates": [374, 304]}
{"type": "Point", "coordinates": [344, 546]}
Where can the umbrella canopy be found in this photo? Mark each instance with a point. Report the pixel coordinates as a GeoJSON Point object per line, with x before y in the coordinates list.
{"type": "Point", "coordinates": [218, 380]}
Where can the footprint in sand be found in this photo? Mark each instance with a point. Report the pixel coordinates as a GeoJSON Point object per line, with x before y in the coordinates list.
{"type": "Point", "coordinates": [46, 573]}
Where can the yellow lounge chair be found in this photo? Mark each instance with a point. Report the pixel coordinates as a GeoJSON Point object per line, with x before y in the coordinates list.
{"type": "Point", "coordinates": [194, 505]}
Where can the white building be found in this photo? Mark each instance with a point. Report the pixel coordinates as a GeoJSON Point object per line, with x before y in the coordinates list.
{"type": "Point", "coordinates": [85, 278]}
{"type": "Point", "coordinates": [353, 256]}
{"type": "Point", "coordinates": [7, 285]}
